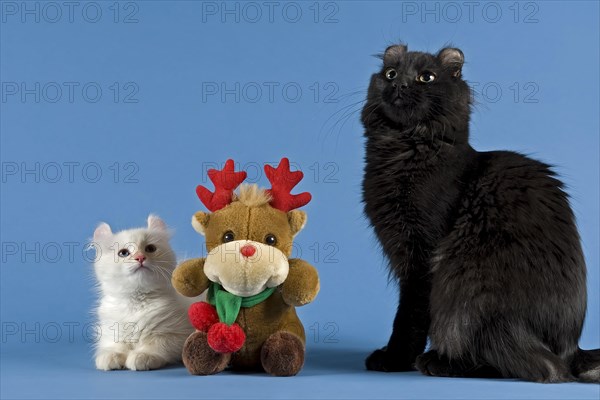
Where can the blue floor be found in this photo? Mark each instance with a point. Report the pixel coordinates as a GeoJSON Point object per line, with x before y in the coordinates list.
{"type": "Point", "coordinates": [331, 371]}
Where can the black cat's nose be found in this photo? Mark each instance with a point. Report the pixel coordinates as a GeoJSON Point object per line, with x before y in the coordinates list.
{"type": "Point", "coordinates": [401, 84]}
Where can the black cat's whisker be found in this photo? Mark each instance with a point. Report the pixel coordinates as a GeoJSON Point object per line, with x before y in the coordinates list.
{"type": "Point", "coordinates": [375, 107]}
{"type": "Point", "coordinates": [350, 94]}
{"type": "Point", "coordinates": [344, 114]}
{"type": "Point", "coordinates": [345, 121]}
{"type": "Point", "coordinates": [341, 110]}
{"type": "Point", "coordinates": [347, 112]}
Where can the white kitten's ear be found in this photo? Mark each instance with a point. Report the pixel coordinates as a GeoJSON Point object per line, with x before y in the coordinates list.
{"type": "Point", "coordinates": [102, 232]}
{"type": "Point", "coordinates": [155, 223]}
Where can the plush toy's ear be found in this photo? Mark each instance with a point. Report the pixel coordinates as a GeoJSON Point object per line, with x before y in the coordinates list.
{"type": "Point", "coordinates": [155, 223]}
{"type": "Point", "coordinates": [393, 53]}
{"type": "Point", "coordinates": [200, 222]}
{"type": "Point", "coordinates": [102, 232]}
{"type": "Point", "coordinates": [297, 220]}
{"type": "Point", "coordinates": [452, 59]}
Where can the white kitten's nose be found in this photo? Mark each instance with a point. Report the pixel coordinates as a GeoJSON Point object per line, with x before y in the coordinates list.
{"type": "Point", "coordinates": [139, 257]}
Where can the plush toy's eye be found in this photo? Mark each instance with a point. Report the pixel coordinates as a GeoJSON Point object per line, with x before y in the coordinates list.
{"type": "Point", "coordinates": [228, 237]}
{"type": "Point", "coordinates": [390, 73]}
{"type": "Point", "coordinates": [123, 253]}
{"type": "Point", "coordinates": [150, 248]}
{"type": "Point", "coordinates": [426, 77]}
{"type": "Point", "coordinates": [271, 240]}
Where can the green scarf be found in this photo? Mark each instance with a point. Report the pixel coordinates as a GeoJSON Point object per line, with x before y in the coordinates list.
{"type": "Point", "coordinates": [228, 304]}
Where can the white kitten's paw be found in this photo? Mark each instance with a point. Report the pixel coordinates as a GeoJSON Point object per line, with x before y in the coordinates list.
{"type": "Point", "coordinates": [143, 362]}
{"type": "Point", "coordinates": [108, 360]}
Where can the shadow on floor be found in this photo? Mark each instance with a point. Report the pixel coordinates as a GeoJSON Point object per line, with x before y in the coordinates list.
{"type": "Point", "coordinates": [335, 359]}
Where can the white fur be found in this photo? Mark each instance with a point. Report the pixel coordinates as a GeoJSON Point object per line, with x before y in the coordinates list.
{"type": "Point", "coordinates": [143, 320]}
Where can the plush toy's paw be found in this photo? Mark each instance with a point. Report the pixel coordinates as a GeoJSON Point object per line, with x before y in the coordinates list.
{"type": "Point", "coordinates": [302, 283]}
{"type": "Point", "coordinates": [224, 338]}
{"type": "Point", "coordinates": [189, 278]}
{"type": "Point", "coordinates": [202, 316]}
{"type": "Point", "coordinates": [282, 354]}
{"type": "Point", "coordinates": [200, 359]}
{"type": "Point", "coordinates": [185, 286]}
{"type": "Point", "coordinates": [108, 360]}
{"type": "Point", "coordinates": [143, 362]}
{"type": "Point", "coordinates": [385, 361]}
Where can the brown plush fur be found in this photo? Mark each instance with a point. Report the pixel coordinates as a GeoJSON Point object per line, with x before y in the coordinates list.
{"type": "Point", "coordinates": [189, 278]}
{"type": "Point", "coordinates": [252, 223]}
{"type": "Point", "coordinates": [252, 195]}
{"type": "Point", "coordinates": [283, 354]}
{"type": "Point", "coordinates": [273, 321]}
{"type": "Point", "coordinates": [301, 285]}
{"type": "Point", "coordinates": [200, 359]}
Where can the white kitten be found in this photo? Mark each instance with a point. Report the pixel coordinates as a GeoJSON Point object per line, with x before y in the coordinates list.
{"type": "Point", "coordinates": [143, 320]}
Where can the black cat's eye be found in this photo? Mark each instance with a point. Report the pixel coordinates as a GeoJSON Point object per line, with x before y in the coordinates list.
{"type": "Point", "coordinates": [228, 237]}
{"type": "Point", "coordinates": [391, 73]}
{"type": "Point", "coordinates": [426, 77]}
{"type": "Point", "coordinates": [270, 239]}
{"type": "Point", "coordinates": [123, 253]}
{"type": "Point", "coordinates": [150, 248]}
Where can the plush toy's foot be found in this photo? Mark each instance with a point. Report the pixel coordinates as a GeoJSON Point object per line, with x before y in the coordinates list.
{"type": "Point", "coordinates": [282, 354]}
{"type": "Point", "coordinates": [200, 359]}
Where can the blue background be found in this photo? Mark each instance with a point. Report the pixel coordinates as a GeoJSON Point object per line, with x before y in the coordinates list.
{"type": "Point", "coordinates": [535, 72]}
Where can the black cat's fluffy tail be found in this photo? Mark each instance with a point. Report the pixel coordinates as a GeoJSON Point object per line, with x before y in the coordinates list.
{"type": "Point", "coordinates": [586, 365]}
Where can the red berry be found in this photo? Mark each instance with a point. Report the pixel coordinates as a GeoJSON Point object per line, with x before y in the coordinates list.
{"type": "Point", "coordinates": [202, 316]}
{"type": "Point", "coordinates": [223, 338]}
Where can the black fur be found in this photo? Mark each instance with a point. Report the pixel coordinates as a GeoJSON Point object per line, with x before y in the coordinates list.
{"type": "Point", "coordinates": [484, 244]}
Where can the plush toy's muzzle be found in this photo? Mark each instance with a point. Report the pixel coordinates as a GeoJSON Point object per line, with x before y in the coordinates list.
{"type": "Point", "coordinates": [246, 267]}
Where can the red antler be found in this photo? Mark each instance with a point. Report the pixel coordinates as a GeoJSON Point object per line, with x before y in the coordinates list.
{"type": "Point", "coordinates": [225, 181]}
{"type": "Point", "coordinates": [282, 182]}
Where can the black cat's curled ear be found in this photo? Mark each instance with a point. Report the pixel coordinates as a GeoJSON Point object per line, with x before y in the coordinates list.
{"type": "Point", "coordinates": [453, 59]}
{"type": "Point", "coordinates": [393, 53]}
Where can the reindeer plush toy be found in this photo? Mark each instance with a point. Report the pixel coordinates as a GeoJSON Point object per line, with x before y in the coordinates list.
{"type": "Point", "coordinates": [249, 321]}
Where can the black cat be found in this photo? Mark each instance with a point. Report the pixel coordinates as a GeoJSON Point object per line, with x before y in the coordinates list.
{"type": "Point", "coordinates": [484, 244]}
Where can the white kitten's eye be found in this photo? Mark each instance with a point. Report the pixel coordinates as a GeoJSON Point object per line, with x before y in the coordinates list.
{"type": "Point", "coordinates": [123, 253]}
{"type": "Point", "coordinates": [426, 77]}
{"type": "Point", "coordinates": [150, 248]}
{"type": "Point", "coordinates": [390, 73]}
